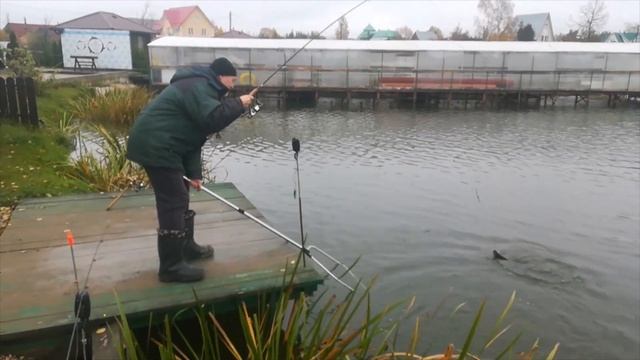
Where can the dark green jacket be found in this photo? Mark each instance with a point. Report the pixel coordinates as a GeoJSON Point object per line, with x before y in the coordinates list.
{"type": "Point", "coordinates": [172, 129]}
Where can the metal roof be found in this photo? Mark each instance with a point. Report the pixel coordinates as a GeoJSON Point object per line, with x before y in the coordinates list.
{"type": "Point", "coordinates": [103, 20]}
{"type": "Point", "coordinates": [424, 35]}
{"type": "Point", "coordinates": [176, 16]}
{"type": "Point", "coordinates": [396, 45]}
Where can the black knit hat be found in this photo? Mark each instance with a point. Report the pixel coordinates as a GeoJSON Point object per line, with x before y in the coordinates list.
{"type": "Point", "coordinates": [222, 66]}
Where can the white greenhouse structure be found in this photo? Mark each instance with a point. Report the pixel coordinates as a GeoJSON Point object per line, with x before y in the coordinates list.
{"type": "Point", "coordinates": [424, 66]}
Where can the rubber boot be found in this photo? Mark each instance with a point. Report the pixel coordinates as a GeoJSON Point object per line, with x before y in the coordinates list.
{"type": "Point", "coordinates": [193, 251]}
{"type": "Point", "coordinates": [173, 268]}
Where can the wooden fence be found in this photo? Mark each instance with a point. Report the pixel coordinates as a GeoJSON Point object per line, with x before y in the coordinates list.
{"type": "Point", "coordinates": [18, 101]}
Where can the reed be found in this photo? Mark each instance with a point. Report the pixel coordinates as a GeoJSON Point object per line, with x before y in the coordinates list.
{"type": "Point", "coordinates": [294, 326]}
{"type": "Point", "coordinates": [114, 106]}
{"type": "Point", "coordinates": [107, 168]}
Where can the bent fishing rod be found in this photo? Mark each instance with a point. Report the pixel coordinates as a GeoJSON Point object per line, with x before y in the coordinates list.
{"type": "Point", "coordinates": [257, 105]}
{"type": "Point", "coordinates": [309, 42]}
{"type": "Point", "coordinates": [305, 250]}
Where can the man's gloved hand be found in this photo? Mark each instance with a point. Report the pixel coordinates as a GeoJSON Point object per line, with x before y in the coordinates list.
{"type": "Point", "coordinates": [248, 99]}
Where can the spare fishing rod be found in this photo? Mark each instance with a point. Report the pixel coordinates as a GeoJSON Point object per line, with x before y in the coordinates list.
{"type": "Point", "coordinates": [295, 145]}
{"type": "Point", "coordinates": [253, 110]}
{"type": "Point", "coordinates": [305, 250]}
{"type": "Point", "coordinates": [81, 308]}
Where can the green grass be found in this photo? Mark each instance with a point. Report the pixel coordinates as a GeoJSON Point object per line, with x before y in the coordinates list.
{"type": "Point", "coordinates": [31, 164]}
{"type": "Point", "coordinates": [31, 160]}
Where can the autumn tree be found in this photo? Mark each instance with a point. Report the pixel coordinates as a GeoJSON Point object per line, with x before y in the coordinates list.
{"type": "Point", "coordinates": [592, 17]}
{"type": "Point", "coordinates": [269, 33]}
{"type": "Point", "coordinates": [526, 33]}
{"type": "Point", "coordinates": [496, 21]}
{"type": "Point", "coordinates": [342, 32]}
{"type": "Point", "coordinates": [405, 32]}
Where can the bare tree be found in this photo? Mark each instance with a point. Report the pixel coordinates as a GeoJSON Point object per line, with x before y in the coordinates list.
{"type": "Point", "coordinates": [459, 34]}
{"type": "Point", "coordinates": [342, 32]}
{"type": "Point", "coordinates": [592, 17]}
{"type": "Point", "coordinates": [572, 35]}
{"type": "Point", "coordinates": [405, 32]}
{"type": "Point", "coordinates": [436, 30]}
{"type": "Point", "coordinates": [146, 17]}
{"type": "Point", "coordinates": [496, 21]}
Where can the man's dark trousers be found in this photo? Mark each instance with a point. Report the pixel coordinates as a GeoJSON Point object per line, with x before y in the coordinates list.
{"type": "Point", "coordinates": [172, 196]}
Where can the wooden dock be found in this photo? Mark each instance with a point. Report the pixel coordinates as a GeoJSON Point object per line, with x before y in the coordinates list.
{"type": "Point", "coordinates": [36, 272]}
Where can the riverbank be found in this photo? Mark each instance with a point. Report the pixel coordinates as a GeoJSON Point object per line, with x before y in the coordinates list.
{"type": "Point", "coordinates": [31, 164]}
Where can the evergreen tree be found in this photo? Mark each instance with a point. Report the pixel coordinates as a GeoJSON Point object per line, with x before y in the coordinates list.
{"type": "Point", "coordinates": [526, 33]}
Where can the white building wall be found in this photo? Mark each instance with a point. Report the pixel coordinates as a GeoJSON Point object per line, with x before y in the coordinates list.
{"type": "Point", "coordinates": [546, 34]}
{"type": "Point", "coordinates": [111, 47]}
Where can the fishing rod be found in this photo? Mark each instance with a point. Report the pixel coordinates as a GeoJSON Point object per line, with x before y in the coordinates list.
{"type": "Point", "coordinates": [305, 250]}
{"type": "Point", "coordinates": [253, 110]}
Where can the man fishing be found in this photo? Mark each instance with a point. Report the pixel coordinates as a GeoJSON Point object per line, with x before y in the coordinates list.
{"type": "Point", "coordinates": [167, 139]}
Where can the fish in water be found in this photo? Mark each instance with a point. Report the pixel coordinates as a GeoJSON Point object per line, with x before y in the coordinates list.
{"type": "Point", "coordinates": [498, 256]}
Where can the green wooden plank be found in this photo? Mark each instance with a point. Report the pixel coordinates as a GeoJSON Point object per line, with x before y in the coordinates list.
{"type": "Point", "coordinates": [215, 187]}
{"type": "Point", "coordinates": [30, 252]}
{"type": "Point", "coordinates": [125, 202]}
{"type": "Point", "coordinates": [168, 298]}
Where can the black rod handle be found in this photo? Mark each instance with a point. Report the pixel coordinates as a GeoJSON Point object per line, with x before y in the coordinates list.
{"type": "Point", "coordinates": [295, 144]}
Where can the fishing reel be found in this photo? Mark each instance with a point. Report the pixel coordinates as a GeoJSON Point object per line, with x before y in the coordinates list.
{"type": "Point", "coordinates": [255, 108]}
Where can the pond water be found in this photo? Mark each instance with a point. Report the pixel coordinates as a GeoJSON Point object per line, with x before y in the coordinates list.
{"type": "Point", "coordinates": [424, 197]}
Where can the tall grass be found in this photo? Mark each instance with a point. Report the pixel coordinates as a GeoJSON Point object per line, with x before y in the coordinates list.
{"type": "Point", "coordinates": [114, 106]}
{"type": "Point", "coordinates": [296, 327]}
{"type": "Point", "coordinates": [106, 169]}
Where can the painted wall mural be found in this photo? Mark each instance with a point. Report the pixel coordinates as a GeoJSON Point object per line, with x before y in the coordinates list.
{"type": "Point", "coordinates": [112, 48]}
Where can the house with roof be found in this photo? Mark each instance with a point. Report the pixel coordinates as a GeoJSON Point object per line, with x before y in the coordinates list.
{"type": "Point", "coordinates": [235, 34]}
{"type": "Point", "coordinates": [186, 21]}
{"type": "Point", "coordinates": [107, 40]}
{"type": "Point", "coordinates": [540, 23]}
{"type": "Point", "coordinates": [24, 31]}
{"type": "Point", "coordinates": [367, 33]}
{"type": "Point", "coordinates": [623, 37]}
{"type": "Point", "coordinates": [424, 35]}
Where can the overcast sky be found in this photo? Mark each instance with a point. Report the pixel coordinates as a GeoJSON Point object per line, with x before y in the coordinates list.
{"type": "Point", "coordinates": [285, 16]}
